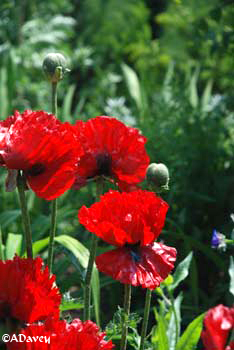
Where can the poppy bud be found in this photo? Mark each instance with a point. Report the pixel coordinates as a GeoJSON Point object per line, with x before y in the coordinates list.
{"type": "Point", "coordinates": [158, 175]}
{"type": "Point", "coordinates": [54, 66]}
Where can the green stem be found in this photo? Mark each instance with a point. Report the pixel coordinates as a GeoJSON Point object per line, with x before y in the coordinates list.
{"type": "Point", "coordinates": [1, 247]}
{"type": "Point", "coordinates": [92, 254]}
{"type": "Point", "coordinates": [54, 98]}
{"type": "Point", "coordinates": [125, 316]}
{"type": "Point", "coordinates": [52, 233]}
{"type": "Point", "coordinates": [54, 203]}
{"type": "Point", "coordinates": [146, 318]}
{"type": "Point", "coordinates": [229, 241]}
{"type": "Point", "coordinates": [25, 215]}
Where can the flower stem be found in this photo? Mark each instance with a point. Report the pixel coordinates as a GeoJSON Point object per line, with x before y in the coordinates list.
{"type": "Point", "coordinates": [25, 215]}
{"type": "Point", "coordinates": [52, 233]}
{"type": "Point", "coordinates": [92, 254]}
{"type": "Point", "coordinates": [146, 318]}
{"type": "Point", "coordinates": [125, 316]}
{"type": "Point", "coordinates": [229, 241]}
{"type": "Point", "coordinates": [54, 203]}
{"type": "Point", "coordinates": [54, 98]}
{"type": "Point", "coordinates": [1, 250]}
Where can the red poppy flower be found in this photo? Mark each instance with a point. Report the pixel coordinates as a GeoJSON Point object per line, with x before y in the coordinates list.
{"type": "Point", "coordinates": [125, 218]}
{"type": "Point", "coordinates": [144, 266]}
{"type": "Point", "coordinates": [44, 148]}
{"type": "Point", "coordinates": [112, 150]}
{"type": "Point", "coordinates": [131, 221]}
{"type": "Point", "coordinates": [62, 335]}
{"type": "Point", "coordinates": [218, 322]}
{"type": "Point", "coordinates": [27, 291]}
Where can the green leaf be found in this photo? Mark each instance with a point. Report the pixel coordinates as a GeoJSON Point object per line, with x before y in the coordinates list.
{"type": "Point", "coordinates": [162, 334]}
{"type": "Point", "coordinates": [39, 245]}
{"type": "Point", "coordinates": [3, 93]}
{"type": "Point", "coordinates": [133, 84]}
{"type": "Point", "coordinates": [231, 274]}
{"type": "Point", "coordinates": [191, 335]}
{"type": "Point", "coordinates": [9, 216]}
{"type": "Point", "coordinates": [77, 248]}
{"type": "Point", "coordinates": [13, 245]}
{"type": "Point", "coordinates": [206, 96]}
{"type": "Point", "coordinates": [171, 329]}
{"type": "Point", "coordinates": [82, 255]}
{"type": "Point", "coordinates": [194, 99]}
{"type": "Point", "coordinates": [67, 104]}
{"type": "Point", "coordinates": [181, 271]}
{"type": "Point", "coordinates": [72, 304]}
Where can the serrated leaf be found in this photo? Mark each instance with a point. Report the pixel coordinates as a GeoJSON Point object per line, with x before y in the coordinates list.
{"type": "Point", "coordinates": [13, 245]}
{"type": "Point", "coordinates": [162, 333]}
{"type": "Point", "coordinates": [181, 272]}
{"type": "Point", "coordinates": [231, 274]}
{"type": "Point", "coordinates": [191, 335]}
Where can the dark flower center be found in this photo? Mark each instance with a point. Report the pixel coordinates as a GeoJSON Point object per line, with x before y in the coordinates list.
{"type": "Point", "coordinates": [103, 164]}
{"type": "Point", "coordinates": [134, 250]}
{"type": "Point", "coordinates": [36, 169]}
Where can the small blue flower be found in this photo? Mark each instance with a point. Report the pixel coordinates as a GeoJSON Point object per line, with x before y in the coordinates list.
{"type": "Point", "coordinates": [218, 240]}
{"type": "Point", "coordinates": [215, 240]}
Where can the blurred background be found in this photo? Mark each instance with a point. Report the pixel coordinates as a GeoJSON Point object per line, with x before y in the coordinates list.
{"type": "Point", "coordinates": [165, 67]}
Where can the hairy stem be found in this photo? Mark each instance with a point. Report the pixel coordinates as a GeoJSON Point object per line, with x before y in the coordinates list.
{"type": "Point", "coordinates": [125, 316]}
{"type": "Point", "coordinates": [146, 318]}
{"type": "Point", "coordinates": [54, 203]}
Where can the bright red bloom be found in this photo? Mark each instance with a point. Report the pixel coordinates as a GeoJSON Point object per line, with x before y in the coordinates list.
{"type": "Point", "coordinates": [113, 150]}
{"type": "Point", "coordinates": [73, 336]}
{"type": "Point", "coordinates": [144, 266]}
{"type": "Point", "coordinates": [218, 322]}
{"type": "Point", "coordinates": [27, 291]}
{"type": "Point", "coordinates": [44, 148]}
{"type": "Point", "coordinates": [4, 127]}
{"type": "Point", "coordinates": [125, 218]}
{"type": "Point", "coordinates": [131, 221]}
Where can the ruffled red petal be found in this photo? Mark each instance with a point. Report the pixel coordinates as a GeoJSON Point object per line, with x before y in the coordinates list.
{"type": "Point", "coordinates": [218, 322]}
{"type": "Point", "coordinates": [147, 267]}
{"type": "Point", "coordinates": [121, 218]}
{"type": "Point", "coordinates": [124, 147]}
{"type": "Point", "coordinates": [45, 149]}
{"type": "Point", "coordinates": [27, 291]}
{"type": "Point", "coordinates": [73, 336]}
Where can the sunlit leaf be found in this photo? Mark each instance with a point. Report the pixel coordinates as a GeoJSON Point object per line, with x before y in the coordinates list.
{"type": "Point", "coordinates": [191, 335]}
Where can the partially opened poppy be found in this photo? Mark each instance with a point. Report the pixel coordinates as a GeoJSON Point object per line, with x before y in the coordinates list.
{"type": "Point", "coordinates": [44, 148]}
{"type": "Point", "coordinates": [218, 323]}
{"type": "Point", "coordinates": [60, 335]}
{"type": "Point", "coordinates": [131, 221]}
{"type": "Point", "coordinates": [27, 291]}
{"type": "Point", "coordinates": [113, 150]}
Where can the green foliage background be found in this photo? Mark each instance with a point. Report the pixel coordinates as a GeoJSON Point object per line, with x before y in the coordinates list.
{"type": "Point", "coordinates": [166, 67]}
